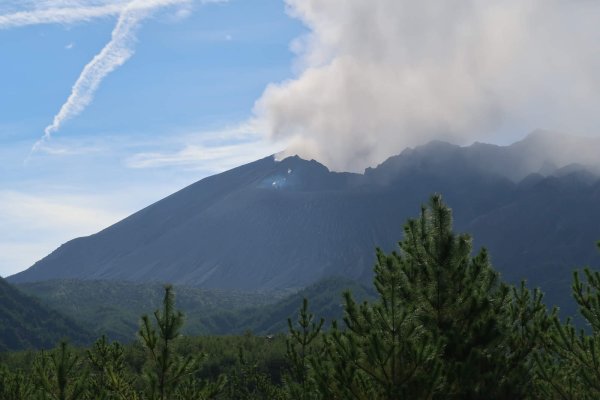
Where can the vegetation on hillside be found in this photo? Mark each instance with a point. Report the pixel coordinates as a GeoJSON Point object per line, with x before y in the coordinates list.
{"type": "Point", "coordinates": [27, 323]}
{"type": "Point", "coordinates": [113, 308]}
{"type": "Point", "coordinates": [442, 326]}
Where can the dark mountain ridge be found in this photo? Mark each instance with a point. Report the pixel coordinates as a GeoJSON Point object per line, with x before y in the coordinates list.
{"type": "Point", "coordinates": [543, 152]}
{"type": "Point", "coordinates": [276, 225]}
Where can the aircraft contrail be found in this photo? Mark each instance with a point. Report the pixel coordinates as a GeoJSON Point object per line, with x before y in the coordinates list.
{"type": "Point", "coordinates": [112, 56]}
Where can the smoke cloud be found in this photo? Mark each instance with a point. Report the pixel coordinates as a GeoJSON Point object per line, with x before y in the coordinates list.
{"type": "Point", "coordinates": [377, 76]}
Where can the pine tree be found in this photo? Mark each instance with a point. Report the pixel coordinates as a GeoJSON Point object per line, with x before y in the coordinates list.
{"type": "Point", "coordinates": [247, 382]}
{"type": "Point", "coordinates": [15, 385]}
{"type": "Point", "coordinates": [489, 333]}
{"type": "Point", "coordinates": [445, 326]}
{"type": "Point", "coordinates": [167, 373]}
{"type": "Point", "coordinates": [384, 352]}
{"type": "Point", "coordinates": [525, 332]}
{"type": "Point", "coordinates": [108, 379]}
{"type": "Point", "coordinates": [300, 347]}
{"type": "Point", "coordinates": [59, 375]}
{"type": "Point", "coordinates": [570, 368]}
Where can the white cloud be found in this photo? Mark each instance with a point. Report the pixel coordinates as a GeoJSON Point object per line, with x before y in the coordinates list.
{"type": "Point", "coordinates": [80, 213]}
{"type": "Point", "coordinates": [76, 149]}
{"type": "Point", "coordinates": [214, 159]}
{"type": "Point", "coordinates": [60, 14]}
{"type": "Point", "coordinates": [34, 225]}
{"type": "Point", "coordinates": [16, 256]}
{"type": "Point", "coordinates": [213, 151]}
{"type": "Point", "coordinates": [70, 12]}
{"type": "Point", "coordinates": [377, 76]}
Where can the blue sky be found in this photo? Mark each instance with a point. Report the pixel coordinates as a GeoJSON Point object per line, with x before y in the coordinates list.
{"type": "Point", "coordinates": [172, 114]}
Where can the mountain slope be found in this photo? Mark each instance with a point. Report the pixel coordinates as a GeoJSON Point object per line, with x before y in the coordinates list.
{"type": "Point", "coordinates": [266, 225]}
{"type": "Point", "coordinates": [218, 233]}
{"type": "Point", "coordinates": [278, 225]}
{"type": "Point", "coordinates": [25, 323]}
{"type": "Point", "coordinates": [548, 229]}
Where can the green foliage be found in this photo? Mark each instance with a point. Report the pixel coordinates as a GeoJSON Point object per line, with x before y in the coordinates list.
{"type": "Point", "coordinates": [27, 323]}
{"type": "Point", "coordinates": [570, 368]}
{"type": "Point", "coordinates": [524, 338]}
{"type": "Point", "coordinates": [169, 375]}
{"type": "Point", "coordinates": [324, 299]}
{"type": "Point", "coordinates": [108, 371]}
{"type": "Point", "coordinates": [459, 300]}
{"type": "Point", "coordinates": [383, 353]}
{"type": "Point", "coordinates": [58, 374]}
{"type": "Point", "coordinates": [248, 382]}
{"type": "Point", "coordinates": [300, 348]}
{"type": "Point", "coordinates": [112, 308]}
{"type": "Point", "coordinates": [108, 379]}
{"type": "Point", "coordinates": [15, 385]}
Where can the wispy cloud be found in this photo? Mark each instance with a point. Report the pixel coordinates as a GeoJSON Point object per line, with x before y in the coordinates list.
{"type": "Point", "coordinates": [70, 12]}
{"type": "Point", "coordinates": [60, 15]}
{"type": "Point", "coordinates": [70, 150]}
{"type": "Point", "coordinates": [48, 212]}
{"type": "Point", "coordinates": [30, 224]}
{"type": "Point", "coordinates": [215, 158]}
{"type": "Point", "coordinates": [213, 151]}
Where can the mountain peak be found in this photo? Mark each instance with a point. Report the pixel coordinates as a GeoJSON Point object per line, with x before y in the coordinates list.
{"type": "Point", "coordinates": [284, 224]}
{"type": "Point", "coordinates": [542, 151]}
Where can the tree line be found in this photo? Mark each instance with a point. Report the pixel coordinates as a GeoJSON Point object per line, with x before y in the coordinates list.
{"type": "Point", "coordinates": [444, 326]}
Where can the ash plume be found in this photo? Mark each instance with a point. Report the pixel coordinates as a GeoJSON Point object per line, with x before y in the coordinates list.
{"type": "Point", "coordinates": [374, 77]}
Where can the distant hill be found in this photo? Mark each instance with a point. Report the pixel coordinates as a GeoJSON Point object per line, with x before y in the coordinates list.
{"type": "Point", "coordinates": [285, 225]}
{"type": "Point", "coordinates": [27, 324]}
{"type": "Point", "coordinates": [325, 301]}
{"type": "Point", "coordinates": [114, 308]}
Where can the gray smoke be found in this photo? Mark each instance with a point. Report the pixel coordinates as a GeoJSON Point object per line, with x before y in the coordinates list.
{"type": "Point", "coordinates": [377, 76]}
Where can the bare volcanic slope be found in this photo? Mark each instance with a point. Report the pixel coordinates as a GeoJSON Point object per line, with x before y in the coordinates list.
{"type": "Point", "coordinates": [264, 225]}
{"type": "Point", "coordinates": [275, 225]}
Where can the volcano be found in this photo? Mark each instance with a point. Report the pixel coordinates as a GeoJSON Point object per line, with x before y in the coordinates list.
{"type": "Point", "coordinates": [286, 224]}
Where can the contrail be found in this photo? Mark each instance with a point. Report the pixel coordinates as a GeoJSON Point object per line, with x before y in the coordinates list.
{"type": "Point", "coordinates": [63, 15]}
{"type": "Point", "coordinates": [113, 55]}
{"type": "Point", "coordinates": [69, 12]}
